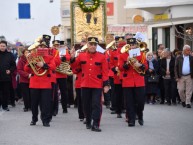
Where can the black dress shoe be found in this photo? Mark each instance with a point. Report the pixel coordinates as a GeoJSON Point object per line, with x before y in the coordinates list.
{"type": "Point", "coordinates": [33, 123]}
{"type": "Point", "coordinates": [162, 102]}
{"type": "Point", "coordinates": [183, 104]}
{"type": "Point", "coordinates": [141, 122]}
{"type": "Point", "coordinates": [188, 106]}
{"type": "Point", "coordinates": [88, 126]}
{"type": "Point", "coordinates": [25, 109]}
{"type": "Point", "coordinates": [6, 109]}
{"type": "Point", "coordinates": [96, 128]}
{"type": "Point", "coordinates": [119, 116]}
{"type": "Point", "coordinates": [46, 124]}
{"type": "Point", "coordinates": [131, 124]}
{"type": "Point", "coordinates": [81, 119]}
{"type": "Point", "coordinates": [65, 111]}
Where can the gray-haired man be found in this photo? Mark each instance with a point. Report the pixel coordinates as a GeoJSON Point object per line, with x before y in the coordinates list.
{"type": "Point", "coordinates": [184, 76]}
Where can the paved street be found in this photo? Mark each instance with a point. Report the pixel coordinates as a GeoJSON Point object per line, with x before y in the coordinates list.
{"type": "Point", "coordinates": [164, 125]}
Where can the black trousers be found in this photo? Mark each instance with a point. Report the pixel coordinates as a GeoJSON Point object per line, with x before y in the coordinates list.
{"type": "Point", "coordinates": [25, 92]}
{"type": "Point", "coordinates": [92, 104]}
{"type": "Point", "coordinates": [112, 96]}
{"type": "Point", "coordinates": [4, 93]}
{"type": "Point", "coordinates": [135, 100]}
{"type": "Point", "coordinates": [62, 83]}
{"type": "Point", "coordinates": [79, 103]}
{"type": "Point", "coordinates": [70, 94]}
{"type": "Point", "coordinates": [55, 99]}
{"type": "Point", "coordinates": [162, 91]}
{"type": "Point", "coordinates": [107, 97]}
{"type": "Point", "coordinates": [11, 99]}
{"type": "Point", "coordinates": [119, 98]}
{"type": "Point", "coordinates": [170, 86]}
{"type": "Point", "coordinates": [43, 98]}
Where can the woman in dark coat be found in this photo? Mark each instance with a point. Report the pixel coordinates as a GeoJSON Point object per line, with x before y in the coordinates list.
{"type": "Point", "coordinates": [24, 81]}
{"type": "Point", "coordinates": [151, 88]}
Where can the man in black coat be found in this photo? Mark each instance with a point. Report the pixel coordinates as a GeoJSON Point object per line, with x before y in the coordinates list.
{"type": "Point", "coordinates": [7, 66]}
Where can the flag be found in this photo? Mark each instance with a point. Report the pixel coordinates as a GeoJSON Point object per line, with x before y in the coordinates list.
{"type": "Point", "coordinates": [24, 10]}
{"type": "Point", "coordinates": [110, 9]}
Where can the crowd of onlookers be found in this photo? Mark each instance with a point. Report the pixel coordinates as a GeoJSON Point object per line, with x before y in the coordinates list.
{"type": "Point", "coordinates": [171, 72]}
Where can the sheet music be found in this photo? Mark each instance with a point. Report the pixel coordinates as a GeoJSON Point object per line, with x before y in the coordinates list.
{"type": "Point", "coordinates": [134, 52]}
{"type": "Point", "coordinates": [62, 51]}
{"type": "Point", "coordinates": [100, 49]}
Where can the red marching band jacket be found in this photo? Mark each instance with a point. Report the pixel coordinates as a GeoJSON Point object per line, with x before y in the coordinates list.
{"type": "Point", "coordinates": [42, 82]}
{"type": "Point", "coordinates": [78, 73]}
{"type": "Point", "coordinates": [67, 57]}
{"type": "Point", "coordinates": [108, 55]}
{"type": "Point", "coordinates": [113, 64]}
{"type": "Point", "coordinates": [94, 69]}
{"type": "Point", "coordinates": [130, 77]}
{"type": "Point", "coordinates": [54, 52]}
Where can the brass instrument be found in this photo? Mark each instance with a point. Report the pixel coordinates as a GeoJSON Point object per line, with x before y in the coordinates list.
{"type": "Point", "coordinates": [64, 68]}
{"type": "Point", "coordinates": [143, 47]}
{"type": "Point", "coordinates": [133, 60]}
{"type": "Point", "coordinates": [111, 45]}
{"type": "Point", "coordinates": [32, 59]}
{"type": "Point", "coordinates": [125, 48]}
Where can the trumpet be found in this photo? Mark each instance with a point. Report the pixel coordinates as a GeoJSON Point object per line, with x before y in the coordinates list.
{"type": "Point", "coordinates": [143, 47]}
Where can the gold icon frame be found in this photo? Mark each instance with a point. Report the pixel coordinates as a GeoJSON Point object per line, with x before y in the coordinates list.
{"type": "Point", "coordinates": [83, 24]}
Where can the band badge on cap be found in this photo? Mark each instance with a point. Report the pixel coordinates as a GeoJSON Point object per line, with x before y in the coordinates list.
{"type": "Point", "coordinates": [93, 39]}
{"type": "Point", "coordinates": [131, 41]}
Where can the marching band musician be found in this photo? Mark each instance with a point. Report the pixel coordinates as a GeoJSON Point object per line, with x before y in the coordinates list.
{"type": "Point", "coordinates": [78, 73]}
{"type": "Point", "coordinates": [94, 77]}
{"type": "Point", "coordinates": [60, 77]}
{"type": "Point", "coordinates": [54, 52]}
{"type": "Point", "coordinates": [118, 95]}
{"type": "Point", "coordinates": [40, 83]}
{"type": "Point", "coordinates": [108, 95]}
{"type": "Point", "coordinates": [133, 82]}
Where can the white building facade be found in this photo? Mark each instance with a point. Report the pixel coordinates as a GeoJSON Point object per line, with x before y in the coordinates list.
{"type": "Point", "coordinates": [169, 22]}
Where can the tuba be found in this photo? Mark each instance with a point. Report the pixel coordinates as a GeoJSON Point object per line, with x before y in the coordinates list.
{"type": "Point", "coordinates": [33, 58]}
{"type": "Point", "coordinates": [64, 68]}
